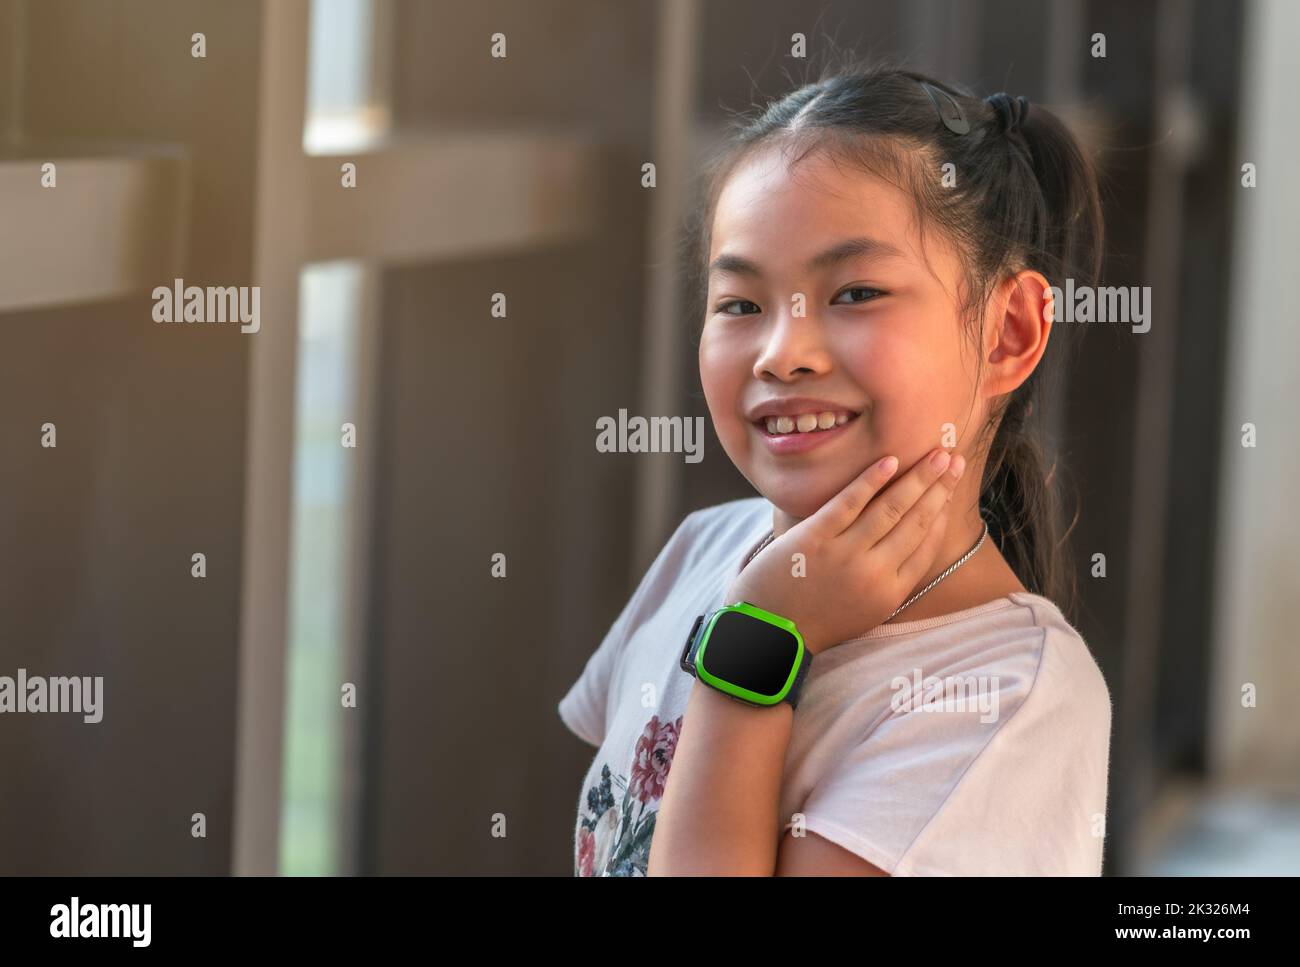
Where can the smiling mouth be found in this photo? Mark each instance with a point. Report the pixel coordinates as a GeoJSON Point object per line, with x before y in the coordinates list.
{"type": "Point", "coordinates": [804, 423]}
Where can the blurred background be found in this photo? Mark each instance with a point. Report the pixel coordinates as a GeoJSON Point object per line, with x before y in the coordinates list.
{"type": "Point", "coordinates": [521, 175]}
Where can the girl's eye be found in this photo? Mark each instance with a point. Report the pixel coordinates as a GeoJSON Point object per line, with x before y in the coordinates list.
{"type": "Point", "coordinates": [871, 294]}
{"type": "Point", "coordinates": [725, 307]}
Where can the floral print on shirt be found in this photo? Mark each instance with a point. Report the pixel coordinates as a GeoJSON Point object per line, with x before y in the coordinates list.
{"type": "Point", "coordinates": [614, 833]}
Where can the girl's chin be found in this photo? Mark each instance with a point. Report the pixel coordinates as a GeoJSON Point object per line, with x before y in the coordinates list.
{"type": "Point", "coordinates": [797, 502]}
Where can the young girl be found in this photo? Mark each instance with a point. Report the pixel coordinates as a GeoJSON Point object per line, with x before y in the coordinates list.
{"type": "Point", "coordinates": [878, 249]}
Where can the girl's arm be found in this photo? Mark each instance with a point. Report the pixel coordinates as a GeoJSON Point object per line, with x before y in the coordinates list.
{"type": "Point", "coordinates": [719, 811]}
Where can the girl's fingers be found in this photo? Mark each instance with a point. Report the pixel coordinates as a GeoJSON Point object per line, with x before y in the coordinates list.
{"type": "Point", "coordinates": [910, 533]}
{"type": "Point", "coordinates": [912, 571]}
{"type": "Point", "coordinates": [838, 514]}
{"type": "Point", "coordinates": [887, 510]}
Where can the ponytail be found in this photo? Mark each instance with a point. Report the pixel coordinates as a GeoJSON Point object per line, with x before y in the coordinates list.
{"type": "Point", "coordinates": [1022, 493]}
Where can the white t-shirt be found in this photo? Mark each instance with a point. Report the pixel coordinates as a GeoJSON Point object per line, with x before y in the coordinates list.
{"type": "Point", "coordinates": [972, 743]}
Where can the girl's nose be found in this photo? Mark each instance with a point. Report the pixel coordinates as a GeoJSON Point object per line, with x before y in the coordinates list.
{"type": "Point", "coordinates": [792, 344]}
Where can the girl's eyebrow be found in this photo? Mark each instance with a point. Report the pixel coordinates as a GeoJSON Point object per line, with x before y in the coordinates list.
{"type": "Point", "coordinates": [850, 248]}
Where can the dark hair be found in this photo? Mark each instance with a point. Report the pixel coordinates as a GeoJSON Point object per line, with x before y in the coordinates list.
{"type": "Point", "coordinates": [1025, 198]}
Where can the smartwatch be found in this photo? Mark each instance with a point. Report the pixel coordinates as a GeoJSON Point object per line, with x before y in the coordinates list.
{"type": "Point", "coordinates": [753, 655]}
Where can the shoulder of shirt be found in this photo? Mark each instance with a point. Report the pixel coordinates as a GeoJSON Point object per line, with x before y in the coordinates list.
{"type": "Point", "coordinates": [1057, 639]}
{"type": "Point", "coordinates": [719, 529]}
{"type": "Point", "coordinates": [734, 519]}
{"type": "Point", "coordinates": [1063, 710]}
{"type": "Point", "coordinates": [1043, 668]}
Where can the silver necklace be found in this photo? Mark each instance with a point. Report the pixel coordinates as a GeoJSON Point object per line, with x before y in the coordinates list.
{"type": "Point", "coordinates": [771, 536]}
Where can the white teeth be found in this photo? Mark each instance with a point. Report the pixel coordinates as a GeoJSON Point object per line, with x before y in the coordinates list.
{"type": "Point", "coordinates": [806, 422]}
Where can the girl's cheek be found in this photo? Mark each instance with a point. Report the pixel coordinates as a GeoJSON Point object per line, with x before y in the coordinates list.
{"type": "Point", "coordinates": [886, 366]}
{"type": "Point", "coordinates": [721, 365]}
{"type": "Point", "coordinates": [900, 390]}
{"type": "Point", "coordinates": [719, 379]}
{"type": "Point", "coordinates": [912, 418]}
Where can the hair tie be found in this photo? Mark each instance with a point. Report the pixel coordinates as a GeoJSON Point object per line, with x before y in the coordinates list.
{"type": "Point", "coordinates": [1012, 111]}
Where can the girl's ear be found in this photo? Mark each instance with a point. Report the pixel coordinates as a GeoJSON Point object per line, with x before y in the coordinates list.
{"type": "Point", "coordinates": [1022, 320]}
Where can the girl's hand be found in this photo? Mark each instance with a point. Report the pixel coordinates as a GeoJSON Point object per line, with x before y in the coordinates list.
{"type": "Point", "coordinates": [864, 552]}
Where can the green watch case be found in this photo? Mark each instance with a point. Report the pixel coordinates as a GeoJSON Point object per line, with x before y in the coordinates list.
{"type": "Point", "coordinates": [753, 655]}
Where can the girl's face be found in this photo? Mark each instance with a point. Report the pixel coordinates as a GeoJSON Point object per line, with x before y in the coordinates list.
{"type": "Point", "coordinates": [818, 290]}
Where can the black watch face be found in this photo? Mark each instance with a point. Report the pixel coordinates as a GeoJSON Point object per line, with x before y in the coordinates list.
{"type": "Point", "coordinates": [749, 652]}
